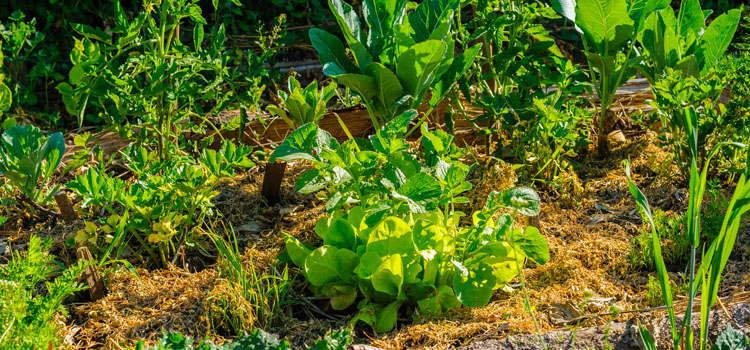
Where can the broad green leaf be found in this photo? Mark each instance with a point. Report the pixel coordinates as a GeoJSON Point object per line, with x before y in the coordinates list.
{"type": "Point", "coordinates": [362, 85]}
{"type": "Point", "coordinates": [605, 24]}
{"type": "Point", "coordinates": [716, 39]}
{"type": "Point", "coordinates": [387, 85]}
{"type": "Point", "coordinates": [416, 66]}
{"type": "Point", "coordinates": [341, 234]}
{"type": "Point", "coordinates": [343, 296]}
{"type": "Point", "coordinates": [310, 181]}
{"type": "Point", "coordinates": [391, 236]}
{"type": "Point", "coordinates": [297, 251]}
{"type": "Point", "coordinates": [690, 17]}
{"type": "Point", "coordinates": [421, 187]}
{"type": "Point", "coordinates": [473, 284]}
{"type": "Point", "coordinates": [346, 262]}
{"type": "Point", "coordinates": [567, 8]}
{"type": "Point", "coordinates": [431, 15]}
{"type": "Point", "coordinates": [531, 243]}
{"type": "Point", "coordinates": [389, 276]}
{"type": "Point", "coordinates": [443, 300]}
{"type": "Point", "coordinates": [331, 49]}
{"type": "Point", "coordinates": [54, 153]}
{"type": "Point", "coordinates": [387, 316]}
{"type": "Point", "coordinates": [321, 266]}
{"type": "Point", "coordinates": [522, 199]}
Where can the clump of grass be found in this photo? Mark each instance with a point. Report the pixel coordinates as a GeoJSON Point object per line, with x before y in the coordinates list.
{"type": "Point", "coordinates": [252, 297]}
{"type": "Point", "coordinates": [675, 243]}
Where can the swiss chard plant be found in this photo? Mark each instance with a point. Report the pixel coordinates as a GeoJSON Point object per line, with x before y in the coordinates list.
{"type": "Point", "coordinates": [162, 208]}
{"type": "Point", "coordinates": [379, 171]}
{"type": "Point", "coordinates": [400, 56]}
{"type": "Point", "coordinates": [388, 265]}
{"type": "Point", "coordinates": [301, 106]}
{"type": "Point", "coordinates": [28, 159]}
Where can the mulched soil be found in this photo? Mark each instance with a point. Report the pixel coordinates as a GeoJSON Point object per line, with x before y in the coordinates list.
{"type": "Point", "coordinates": [589, 222]}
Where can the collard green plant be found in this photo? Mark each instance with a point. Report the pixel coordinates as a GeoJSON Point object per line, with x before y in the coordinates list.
{"type": "Point", "coordinates": [169, 198]}
{"type": "Point", "coordinates": [399, 55]}
{"type": "Point", "coordinates": [28, 159]}
{"type": "Point", "coordinates": [28, 317]}
{"type": "Point", "coordinates": [606, 27]}
{"type": "Point", "coordinates": [684, 42]}
{"type": "Point", "coordinates": [425, 262]}
{"type": "Point", "coordinates": [379, 171]}
{"type": "Point", "coordinates": [301, 106]}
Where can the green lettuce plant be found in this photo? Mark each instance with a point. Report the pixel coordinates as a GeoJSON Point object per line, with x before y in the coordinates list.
{"type": "Point", "coordinates": [301, 106]}
{"type": "Point", "coordinates": [28, 159]}
{"type": "Point", "coordinates": [425, 262]}
{"type": "Point", "coordinates": [399, 55]}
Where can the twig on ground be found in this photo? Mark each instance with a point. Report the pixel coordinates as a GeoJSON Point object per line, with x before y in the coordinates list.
{"type": "Point", "coordinates": [38, 207]}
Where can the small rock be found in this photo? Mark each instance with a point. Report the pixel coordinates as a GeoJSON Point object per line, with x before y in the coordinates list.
{"type": "Point", "coordinates": [617, 136]}
{"type": "Point", "coordinates": [251, 227]}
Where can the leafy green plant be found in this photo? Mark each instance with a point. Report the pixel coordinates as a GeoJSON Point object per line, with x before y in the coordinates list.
{"type": "Point", "coordinates": [401, 58]}
{"type": "Point", "coordinates": [21, 39]}
{"type": "Point", "coordinates": [674, 242]}
{"type": "Point", "coordinates": [143, 73]}
{"type": "Point", "coordinates": [28, 159]}
{"type": "Point", "coordinates": [730, 339]}
{"type": "Point", "coordinates": [379, 171]}
{"type": "Point", "coordinates": [27, 316]}
{"type": "Point", "coordinates": [256, 340]}
{"type": "Point", "coordinates": [606, 27]}
{"type": "Point", "coordinates": [424, 262]}
{"type": "Point", "coordinates": [513, 75]}
{"type": "Point", "coordinates": [679, 98]}
{"type": "Point", "coordinates": [685, 43]}
{"type": "Point", "coordinates": [169, 199]}
{"type": "Point", "coordinates": [715, 256]}
{"type": "Point", "coordinates": [302, 106]}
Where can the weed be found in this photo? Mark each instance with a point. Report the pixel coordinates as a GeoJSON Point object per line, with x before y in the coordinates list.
{"type": "Point", "coordinates": [673, 240]}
